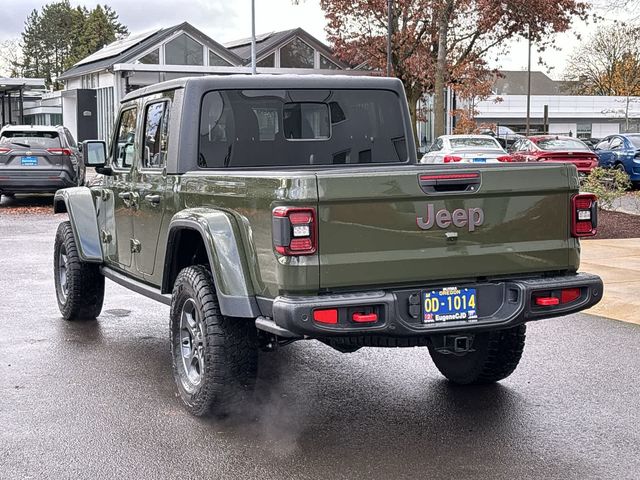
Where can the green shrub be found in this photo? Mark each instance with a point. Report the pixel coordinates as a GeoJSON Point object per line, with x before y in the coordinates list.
{"type": "Point", "coordinates": [608, 184]}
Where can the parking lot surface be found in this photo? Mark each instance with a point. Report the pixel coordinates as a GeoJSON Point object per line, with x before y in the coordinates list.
{"type": "Point", "coordinates": [96, 400]}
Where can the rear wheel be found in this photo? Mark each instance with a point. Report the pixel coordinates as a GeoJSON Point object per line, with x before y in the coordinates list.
{"type": "Point", "coordinates": [79, 285]}
{"type": "Point", "coordinates": [214, 358]}
{"type": "Point", "coordinates": [493, 357]}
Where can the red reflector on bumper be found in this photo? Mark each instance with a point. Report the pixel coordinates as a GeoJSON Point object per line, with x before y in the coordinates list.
{"type": "Point", "coordinates": [326, 316]}
{"type": "Point", "coordinates": [547, 301]}
{"type": "Point", "coordinates": [365, 317]}
{"type": "Point", "coordinates": [568, 295]}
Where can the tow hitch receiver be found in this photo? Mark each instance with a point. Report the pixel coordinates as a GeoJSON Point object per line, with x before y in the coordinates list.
{"type": "Point", "coordinates": [454, 344]}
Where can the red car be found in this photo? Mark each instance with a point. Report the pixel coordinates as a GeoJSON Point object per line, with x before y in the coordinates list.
{"type": "Point", "coordinates": [555, 148]}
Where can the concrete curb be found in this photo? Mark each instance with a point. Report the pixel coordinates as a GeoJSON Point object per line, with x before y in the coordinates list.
{"type": "Point", "coordinates": [618, 263]}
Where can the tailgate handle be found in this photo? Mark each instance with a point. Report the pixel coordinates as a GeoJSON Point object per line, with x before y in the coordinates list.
{"type": "Point", "coordinates": [449, 182]}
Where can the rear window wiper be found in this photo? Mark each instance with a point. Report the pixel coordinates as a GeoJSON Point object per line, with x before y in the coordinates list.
{"type": "Point", "coordinates": [25, 145]}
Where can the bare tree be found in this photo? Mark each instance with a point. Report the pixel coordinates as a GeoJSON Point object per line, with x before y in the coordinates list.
{"type": "Point", "coordinates": [10, 58]}
{"type": "Point", "coordinates": [608, 63]}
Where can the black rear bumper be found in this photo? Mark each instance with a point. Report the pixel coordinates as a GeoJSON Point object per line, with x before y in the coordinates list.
{"type": "Point", "coordinates": [501, 304]}
{"type": "Point", "coordinates": [36, 180]}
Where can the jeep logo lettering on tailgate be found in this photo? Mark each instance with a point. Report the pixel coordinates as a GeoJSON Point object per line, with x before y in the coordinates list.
{"type": "Point", "coordinates": [473, 217]}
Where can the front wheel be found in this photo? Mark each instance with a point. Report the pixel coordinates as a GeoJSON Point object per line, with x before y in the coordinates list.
{"type": "Point", "coordinates": [79, 285]}
{"type": "Point", "coordinates": [214, 358]}
{"type": "Point", "coordinates": [493, 356]}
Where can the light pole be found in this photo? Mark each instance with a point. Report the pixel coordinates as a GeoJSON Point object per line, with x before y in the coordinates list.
{"type": "Point", "coordinates": [529, 84]}
{"type": "Point", "coordinates": [389, 33]}
{"type": "Point", "coordinates": [253, 37]}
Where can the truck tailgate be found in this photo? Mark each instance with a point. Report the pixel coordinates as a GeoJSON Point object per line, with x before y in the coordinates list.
{"type": "Point", "coordinates": [387, 226]}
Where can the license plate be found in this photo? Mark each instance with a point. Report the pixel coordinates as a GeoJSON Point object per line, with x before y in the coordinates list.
{"type": "Point", "coordinates": [29, 161]}
{"type": "Point", "coordinates": [480, 160]}
{"type": "Point", "coordinates": [449, 304]}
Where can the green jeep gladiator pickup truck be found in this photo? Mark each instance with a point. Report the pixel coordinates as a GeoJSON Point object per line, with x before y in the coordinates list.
{"type": "Point", "coordinates": [269, 209]}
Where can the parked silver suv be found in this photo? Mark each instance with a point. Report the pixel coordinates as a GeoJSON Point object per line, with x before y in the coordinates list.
{"type": "Point", "coordinates": [38, 159]}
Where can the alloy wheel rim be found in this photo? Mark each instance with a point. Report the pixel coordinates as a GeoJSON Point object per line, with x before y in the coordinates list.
{"type": "Point", "coordinates": [191, 345]}
{"type": "Point", "coordinates": [62, 274]}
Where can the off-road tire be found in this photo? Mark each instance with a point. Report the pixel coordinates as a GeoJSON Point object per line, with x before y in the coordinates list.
{"type": "Point", "coordinates": [84, 282]}
{"type": "Point", "coordinates": [495, 356]}
{"type": "Point", "coordinates": [228, 348]}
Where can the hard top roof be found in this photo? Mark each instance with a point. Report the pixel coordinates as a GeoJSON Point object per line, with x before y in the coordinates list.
{"type": "Point", "coordinates": [35, 128]}
{"type": "Point", "coordinates": [228, 82]}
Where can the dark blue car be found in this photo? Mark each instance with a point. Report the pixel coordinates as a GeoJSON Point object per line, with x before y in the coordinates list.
{"type": "Point", "coordinates": [622, 152]}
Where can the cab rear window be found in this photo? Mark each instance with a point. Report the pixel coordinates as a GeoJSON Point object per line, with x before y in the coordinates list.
{"type": "Point", "coordinates": [29, 139]}
{"type": "Point", "coordinates": [267, 128]}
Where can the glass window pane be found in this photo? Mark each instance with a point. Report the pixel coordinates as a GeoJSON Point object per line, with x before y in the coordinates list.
{"type": "Point", "coordinates": [259, 128]}
{"type": "Point", "coordinates": [306, 121]}
{"type": "Point", "coordinates": [327, 64]}
{"type": "Point", "coordinates": [151, 58]}
{"type": "Point", "coordinates": [296, 54]}
{"type": "Point", "coordinates": [125, 138]}
{"type": "Point", "coordinates": [217, 60]}
{"type": "Point", "coordinates": [183, 50]}
{"type": "Point", "coordinates": [268, 61]}
{"type": "Point", "coordinates": [155, 136]}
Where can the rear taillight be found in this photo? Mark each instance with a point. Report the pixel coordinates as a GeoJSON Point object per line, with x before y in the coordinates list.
{"type": "Point", "coordinates": [4, 151]}
{"type": "Point", "coordinates": [451, 159]}
{"type": "Point", "coordinates": [505, 158]}
{"type": "Point", "coordinates": [59, 151]}
{"type": "Point", "coordinates": [584, 215]}
{"type": "Point", "coordinates": [294, 231]}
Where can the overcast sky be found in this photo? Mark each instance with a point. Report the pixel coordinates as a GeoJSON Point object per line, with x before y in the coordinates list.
{"type": "Point", "coordinates": [225, 20]}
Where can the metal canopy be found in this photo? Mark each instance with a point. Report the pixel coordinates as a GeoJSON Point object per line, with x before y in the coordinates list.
{"type": "Point", "coordinates": [15, 88]}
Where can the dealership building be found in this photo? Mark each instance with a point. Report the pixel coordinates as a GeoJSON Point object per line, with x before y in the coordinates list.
{"type": "Point", "coordinates": [95, 85]}
{"type": "Point", "coordinates": [577, 115]}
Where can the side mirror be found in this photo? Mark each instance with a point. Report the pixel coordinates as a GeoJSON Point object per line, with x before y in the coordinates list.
{"type": "Point", "coordinates": [94, 153]}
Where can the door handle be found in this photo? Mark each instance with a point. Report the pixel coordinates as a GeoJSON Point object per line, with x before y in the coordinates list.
{"type": "Point", "coordinates": [125, 196]}
{"type": "Point", "coordinates": [153, 199]}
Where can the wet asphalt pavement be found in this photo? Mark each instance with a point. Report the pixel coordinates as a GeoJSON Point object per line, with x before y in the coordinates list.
{"type": "Point", "coordinates": [97, 401]}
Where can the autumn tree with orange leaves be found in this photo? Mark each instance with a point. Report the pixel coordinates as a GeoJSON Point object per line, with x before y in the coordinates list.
{"type": "Point", "coordinates": [436, 43]}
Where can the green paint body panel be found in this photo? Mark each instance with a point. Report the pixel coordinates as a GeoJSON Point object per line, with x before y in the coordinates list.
{"type": "Point", "coordinates": [369, 236]}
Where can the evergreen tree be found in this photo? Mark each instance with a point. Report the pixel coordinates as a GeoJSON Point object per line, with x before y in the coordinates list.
{"type": "Point", "coordinates": [58, 36]}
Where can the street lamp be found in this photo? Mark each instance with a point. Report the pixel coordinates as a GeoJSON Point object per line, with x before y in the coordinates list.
{"type": "Point", "coordinates": [529, 83]}
{"type": "Point", "coordinates": [389, 20]}
{"type": "Point", "coordinates": [253, 37]}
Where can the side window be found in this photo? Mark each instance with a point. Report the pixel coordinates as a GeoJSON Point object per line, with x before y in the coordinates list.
{"type": "Point", "coordinates": [616, 143]}
{"type": "Point", "coordinates": [516, 146]}
{"type": "Point", "coordinates": [154, 154]}
{"type": "Point", "coordinates": [124, 145]}
{"type": "Point", "coordinates": [70, 139]}
{"type": "Point", "coordinates": [603, 145]}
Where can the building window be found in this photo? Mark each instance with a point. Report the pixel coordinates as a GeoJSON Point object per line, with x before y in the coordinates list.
{"type": "Point", "coordinates": [151, 58]}
{"type": "Point", "coordinates": [183, 50]}
{"type": "Point", "coordinates": [268, 61]}
{"type": "Point", "coordinates": [584, 130]}
{"type": "Point", "coordinates": [325, 63]}
{"type": "Point", "coordinates": [296, 54]}
{"type": "Point", "coordinates": [217, 61]}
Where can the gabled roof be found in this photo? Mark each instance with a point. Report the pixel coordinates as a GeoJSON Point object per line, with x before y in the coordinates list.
{"type": "Point", "coordinates": [126, 50]}
{"type": "Point", "coordinates": [269, 42]}
{"type": "Point", "coordinates": [513, 82]}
